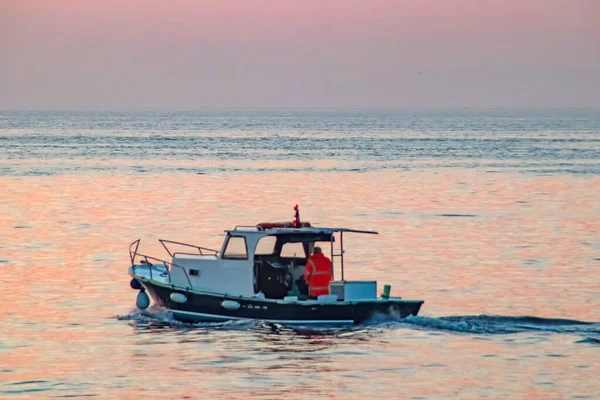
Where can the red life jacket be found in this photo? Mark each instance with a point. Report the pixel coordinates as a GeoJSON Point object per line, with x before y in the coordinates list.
{"type": "Point", "coordinates": [318, 273]}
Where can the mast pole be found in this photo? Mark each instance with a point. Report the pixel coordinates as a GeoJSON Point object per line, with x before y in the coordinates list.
{"type": "Point", "coordinates": [342, 252]}
{"type": "Point", "coordinates": [332, 255]}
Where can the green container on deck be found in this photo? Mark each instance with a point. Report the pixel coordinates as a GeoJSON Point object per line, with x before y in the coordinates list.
{"type": "Point", "coordinates": [386, 291]}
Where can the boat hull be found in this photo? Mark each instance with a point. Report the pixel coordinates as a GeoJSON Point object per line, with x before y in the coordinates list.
{"type": "Point", "coordinates": [201, 307]}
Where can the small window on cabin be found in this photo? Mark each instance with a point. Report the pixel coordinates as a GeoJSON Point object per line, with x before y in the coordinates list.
{"type": "Point", "coordinates": [236, 248]}
{"type": "Point", "coordinates": [291, 250]}
{"type": "Point", "coordinates": [265, 246]}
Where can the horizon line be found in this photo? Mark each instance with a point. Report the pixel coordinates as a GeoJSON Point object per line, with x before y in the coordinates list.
{"type": "Point", "coordinates": [296, 108]}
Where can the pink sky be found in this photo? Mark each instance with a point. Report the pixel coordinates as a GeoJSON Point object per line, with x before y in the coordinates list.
{"type": "Point", "coordinates": [342, 53]}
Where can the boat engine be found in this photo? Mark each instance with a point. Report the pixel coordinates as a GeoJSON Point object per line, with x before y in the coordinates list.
{"type": "Point", "coordinates": [274, 282]}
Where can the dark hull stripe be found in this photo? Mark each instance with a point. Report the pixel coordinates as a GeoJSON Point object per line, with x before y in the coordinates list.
{"type": "Point", "coordinates": [188, 315]}
{"type": "Point", "coordinates": [204, 307]}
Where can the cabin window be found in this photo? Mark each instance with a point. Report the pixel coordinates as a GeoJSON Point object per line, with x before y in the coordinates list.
{"type": "Point", "coordinates": [236, 248]}
{"type": "Point", "coordinates": [265, 246]}
{"type": "Point", "coordinates": [291, 250]}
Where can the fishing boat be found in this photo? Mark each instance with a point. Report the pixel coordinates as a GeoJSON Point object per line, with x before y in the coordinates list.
{"type": "Point", "coordinates": [258, 274]}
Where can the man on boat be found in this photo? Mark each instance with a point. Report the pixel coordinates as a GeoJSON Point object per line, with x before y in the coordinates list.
{"type": "Point", "coordinates": [318, 273]}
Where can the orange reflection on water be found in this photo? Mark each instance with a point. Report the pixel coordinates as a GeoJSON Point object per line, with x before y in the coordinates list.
{"type": "Point", "coordinates": [466, 242]}
{"type": "Point", "coordinates": [512, 236]}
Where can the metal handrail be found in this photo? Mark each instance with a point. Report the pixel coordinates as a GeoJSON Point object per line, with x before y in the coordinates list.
{"type": "Point", "coordinates": [167, 269]}
{"type": "Point", "coordinates": [132, 255]}
{"type": "Point", "coordinates": [135, 254]}
{"type": "Point", "coordinates": [150, 265]}
{"type": "Point", "coordinates": [199, 248]}
{"type": "Point", "coordinates": [191, 254]}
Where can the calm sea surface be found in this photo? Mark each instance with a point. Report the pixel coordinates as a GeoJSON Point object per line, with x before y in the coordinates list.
{"type": "Point", "coordinates": [491, 217]}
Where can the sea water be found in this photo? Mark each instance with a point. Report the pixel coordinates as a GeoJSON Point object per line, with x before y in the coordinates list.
{"type": "Point", "coordinates": [492, 217]}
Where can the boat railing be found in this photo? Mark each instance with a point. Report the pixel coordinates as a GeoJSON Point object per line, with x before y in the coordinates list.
{"type": "Point", "coordinates": [133, 253]}
{"type": "Point", "coordinates": [147, 261]}
{"type": "Point", "coordinates": [201, 250]}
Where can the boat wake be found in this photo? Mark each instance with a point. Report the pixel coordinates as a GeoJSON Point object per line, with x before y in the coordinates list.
{"type": "Point", "coordinates": [156, 318]}
{"type": "Point", "coordinates": [493, 325]}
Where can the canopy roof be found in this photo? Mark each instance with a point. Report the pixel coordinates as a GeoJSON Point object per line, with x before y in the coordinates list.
{"type": "Point", "coordinates": [308, 231]}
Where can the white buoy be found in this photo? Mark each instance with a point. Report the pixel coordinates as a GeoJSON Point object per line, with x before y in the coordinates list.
{"type": "Point", "coordinates": [143, 301]}
{"type": "Point", "coordinates": [230, 304]}
{"type": "Point", "coordinates": [178, 297]}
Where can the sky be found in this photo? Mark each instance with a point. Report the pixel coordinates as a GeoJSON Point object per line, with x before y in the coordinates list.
{"type": "Point", "coordinates": [308, 53]}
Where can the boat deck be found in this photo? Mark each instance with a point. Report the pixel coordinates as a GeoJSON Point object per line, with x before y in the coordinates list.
{"type": "Point", "coordinates": [157, 273]}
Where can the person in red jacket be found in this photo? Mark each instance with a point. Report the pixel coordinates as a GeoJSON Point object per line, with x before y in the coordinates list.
{"type": "Point", "coordinates": [318, 273]}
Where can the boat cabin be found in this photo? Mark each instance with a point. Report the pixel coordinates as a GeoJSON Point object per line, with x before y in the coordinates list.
{"type": "Point", "coordinates": [263, 260]}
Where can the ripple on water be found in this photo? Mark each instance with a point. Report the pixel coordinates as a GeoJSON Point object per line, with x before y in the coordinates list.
{"type": "Point", "coordinates": [31, 386]}
{"type": "Point", "coordinates": [457, 215]}
{"type": "Point", "coordinates": [27, 387]}
{"type": "Point", "coordinates": [532, 262]}
{"type": "Point", "coordinates": [589, 340]}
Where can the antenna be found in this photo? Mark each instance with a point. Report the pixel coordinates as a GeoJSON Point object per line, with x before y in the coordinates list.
{"type": "Point", "coordinates": [296, 221]}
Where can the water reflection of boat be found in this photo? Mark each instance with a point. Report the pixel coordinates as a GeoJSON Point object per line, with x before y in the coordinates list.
{"type": "Point", "coordinates": [258, 274]}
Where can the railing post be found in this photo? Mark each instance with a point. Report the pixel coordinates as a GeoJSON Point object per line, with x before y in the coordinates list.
{"type": "Point", "coordinates": [132, 255]}
{"type": "Point", "coordinates": [149, 265]}
{"type": "Point", "coordinates": [342, 252]}
{"type": "Point", "coordinates": [332, 255]}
